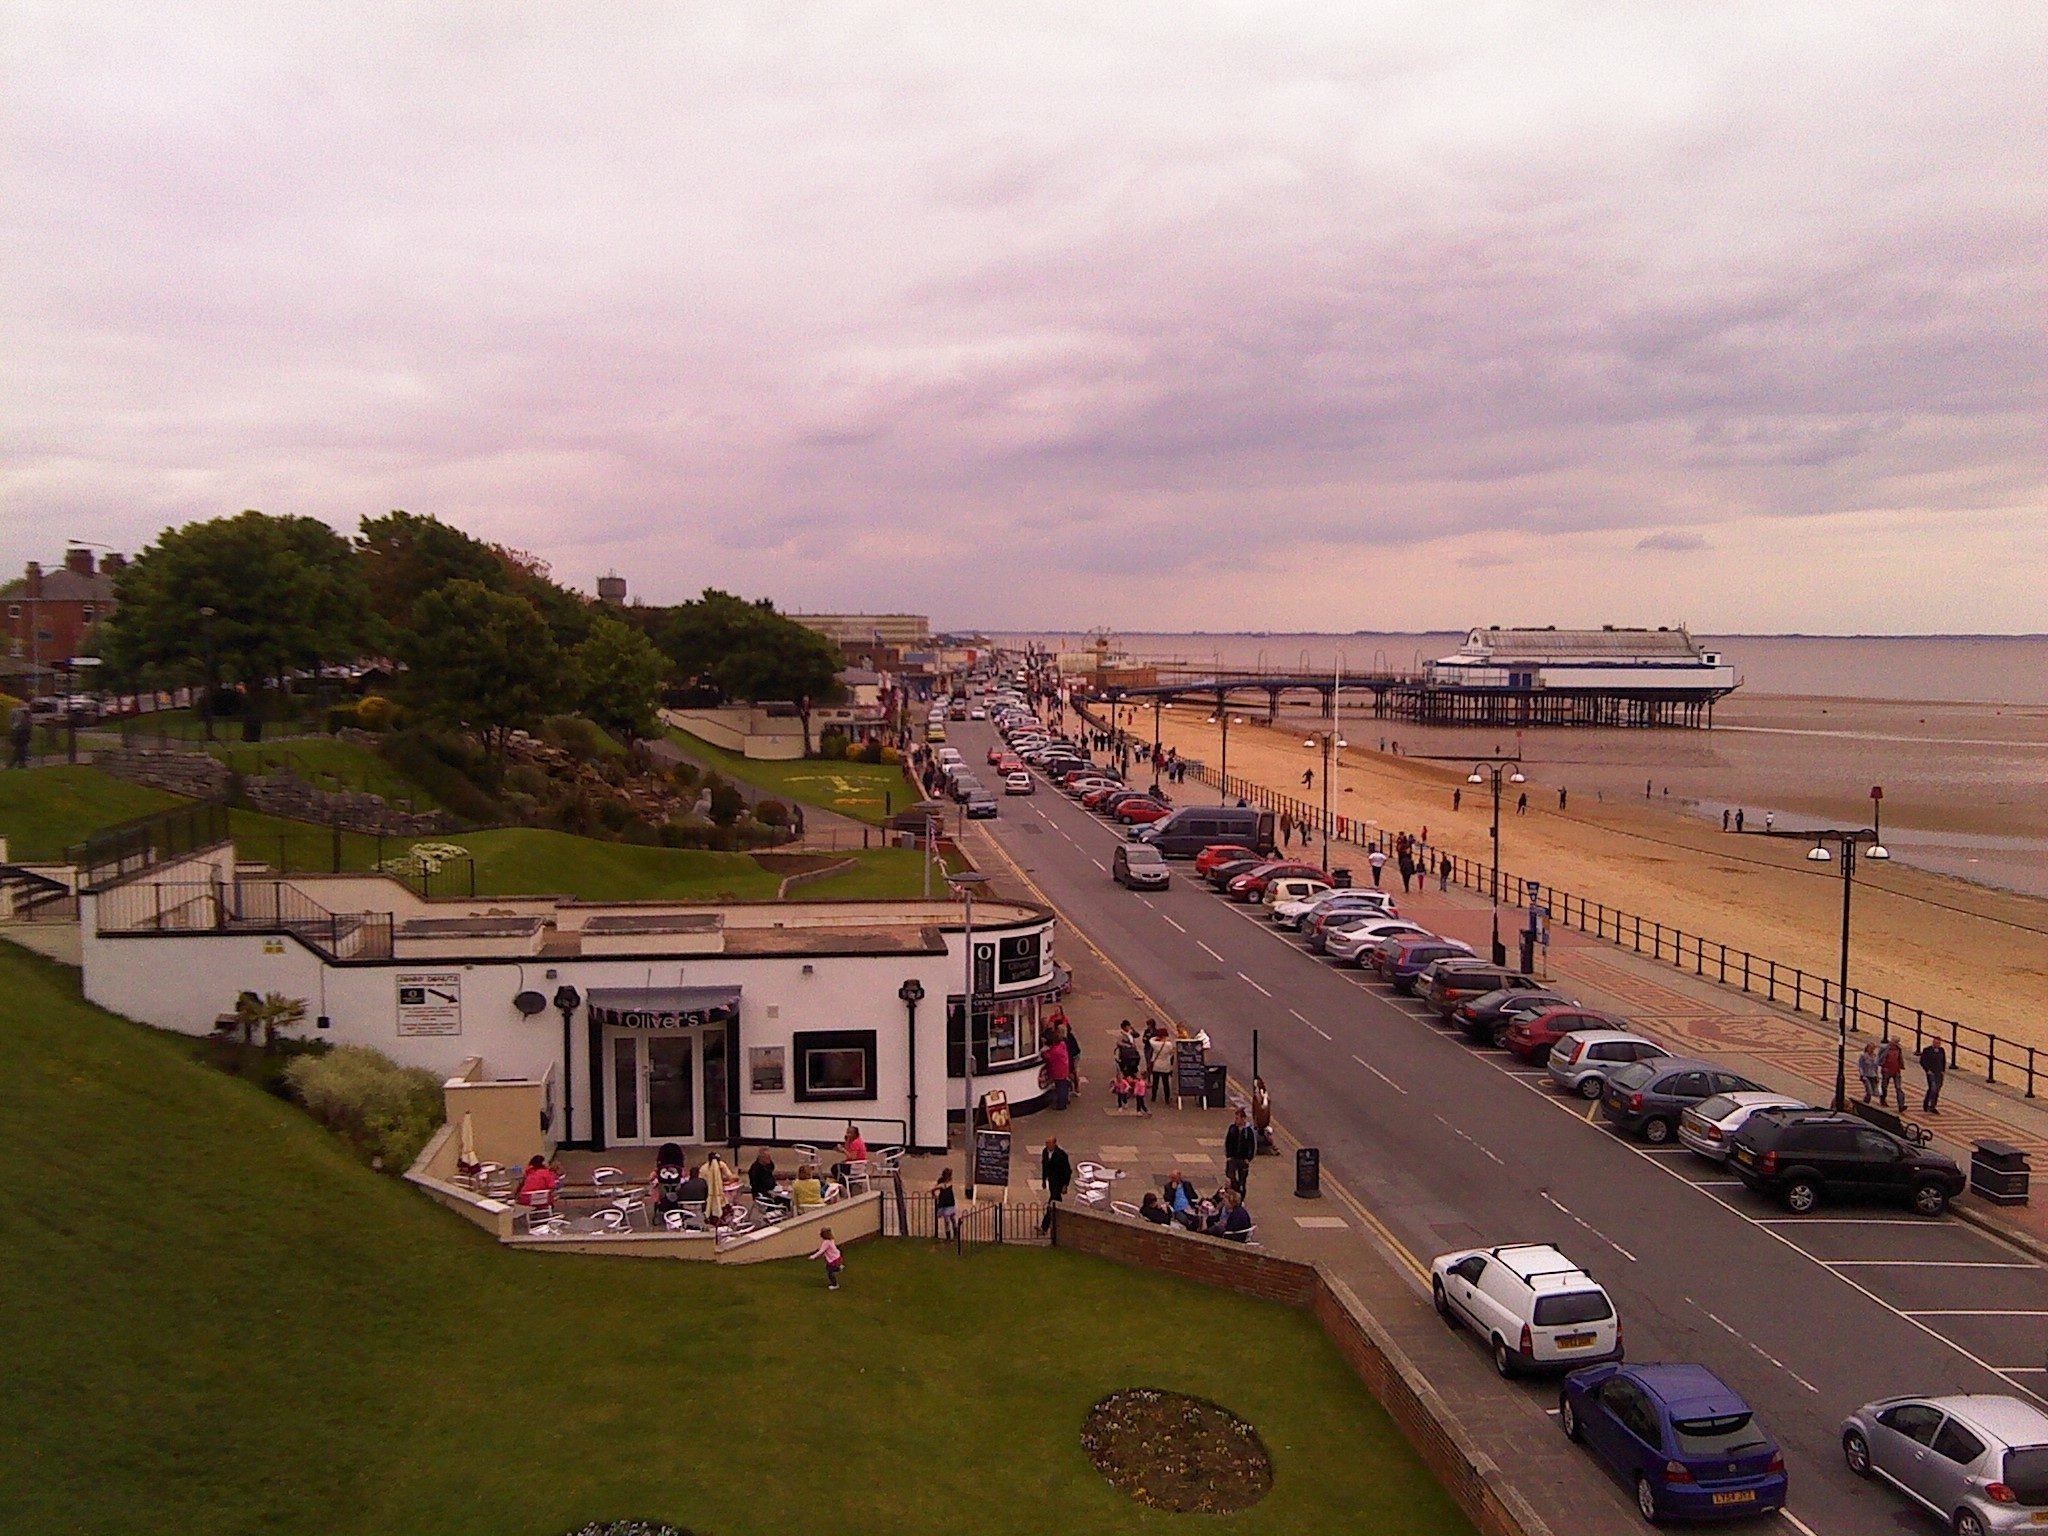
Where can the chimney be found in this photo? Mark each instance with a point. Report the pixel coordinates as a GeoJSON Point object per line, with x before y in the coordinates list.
{"type": "Point", "coordinates": [32, 580]}
{"type": "Point", "coordinates": [113, 564]}
{"type": "Point", "coordinates": [78, 561]}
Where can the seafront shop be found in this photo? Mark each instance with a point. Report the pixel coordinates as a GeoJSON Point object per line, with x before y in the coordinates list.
{"type": "Point", "coordinates": [630, 1024]}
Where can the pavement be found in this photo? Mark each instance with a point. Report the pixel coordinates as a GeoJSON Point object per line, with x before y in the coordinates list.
{"type": "Point", "coordinates": [1447, 1146]}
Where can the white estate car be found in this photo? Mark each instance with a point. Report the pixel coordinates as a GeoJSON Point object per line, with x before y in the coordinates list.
{"type": "Point", "coordinates": [1299, 912]}
{"type": "Point", "coordinates": [1707, 1125]}
{"type": "Point", "coordinates": [1348, 946]}
{"type": "Point", "coordinates": [1534, 1307]}
{"type": "Point", "coordinates": [1289, 892]}
{"type": "Point", "coordinates": [1017, 784]}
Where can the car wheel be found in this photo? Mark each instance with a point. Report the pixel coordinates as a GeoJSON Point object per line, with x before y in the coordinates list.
{"type": "Point", "coordinates": [1568, 1417]}
{"type": "Point", "coordinates": [1443, 1302]}
{"type": "Point", "coordinates": [1929, 1199]}
{"type": "Point", "coordinates": [1590, 1088]}
{"type": "Point", "coordinates": [1856, 1452]}
{"type": "Point", "coordinates": [1657, 1131]}
{"type": "Point", "coordinates": [1968, 1523]}
{"type": "Point", "coordinates": [1503, 1358]}
{"type": "Point", "coordinates": [1646, 1498]}
{"type": "Point", "coordinates": [1801, 1196]}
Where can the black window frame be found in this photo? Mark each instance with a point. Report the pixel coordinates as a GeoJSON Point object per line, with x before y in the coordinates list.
{"type": "Point", "coordinates": [804, 1042]}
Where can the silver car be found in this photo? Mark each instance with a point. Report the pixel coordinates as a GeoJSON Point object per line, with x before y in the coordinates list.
{"type": "Point", "coordinates": [1580, 1061]}
{"type": "Point", "coordinates": [1707, 1125]}
{"type": "Point", "coordinates": [1976, 1462]}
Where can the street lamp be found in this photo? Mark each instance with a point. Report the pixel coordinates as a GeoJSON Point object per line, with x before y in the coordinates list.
{"type": "Point", "coordinates": [71, 664]}
{"type": "Point", "coordinates": [567, 1001]}
{"type": "Point", "coordinates": [206, 708]}
{"type": "Point", "coordinates": [965, 883]}
{"type": "Point", "coordinates": [1849, 840]}
{"type": "Point", "coordinates": [1483, 769]}
{"type": "Point", "coordinates": [1332, 744]}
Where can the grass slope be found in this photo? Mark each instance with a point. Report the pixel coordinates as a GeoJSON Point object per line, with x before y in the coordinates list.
{"type": "Point", "coordinates": [865, 791]}
{"type": "Point", "coordinates": [328, 763]}
{"type": "Point", "coordinates": [45, 810]}
{"type": "Point", "coordinates": [220, 1325]}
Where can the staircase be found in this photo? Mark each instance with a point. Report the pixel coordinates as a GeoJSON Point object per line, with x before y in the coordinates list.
{"type": "Point", "coordinates": [30, 896]}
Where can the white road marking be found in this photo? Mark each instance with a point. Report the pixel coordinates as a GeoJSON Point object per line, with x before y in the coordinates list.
{"type": "Point", "coordinates": [1837, 1221]}
{"type": "Point", "coordinates": [1610, 1242]}
{"type": "Point", "coordinates": [1376, 1072]}
{"type": "Point", "coordinates": [1302, 1016]}
{"type": "Point", "coordinates": [1798, 1524]}
{"type": "Point", "coordinates": [1914, 1263]}
{"type": "Point", "coordinates": [1991, 1312]}
{"type": "Point", "coordinates": [1252, 984]}
{"type": "Point", "coordinates": [1171, 924]}
{"type": "Point", "coordinates": [1099, 865]}
{"type": "Point", "coordinates": [1321, 1031]}
{"type": "Point", "coordinates": [1205, 949]}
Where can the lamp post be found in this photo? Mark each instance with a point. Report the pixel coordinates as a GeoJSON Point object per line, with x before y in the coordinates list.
{"type": "Point", "coordinates": [912, 993]}
{"type": "Point", "coordinates": [206, 708]}
{"type": "Point", "coordinates": [71, 664]}
{"type": "Point", "coordinates": [568, 1000]}
{"type": "Point", "coordinates": [964, 884]}
{"type": "Point", "coordinates": [1482, 769]}
{"type": "Point", "coordinates": [1847, 840]}
{"type": "Point", "coordinates": [1332, 744]}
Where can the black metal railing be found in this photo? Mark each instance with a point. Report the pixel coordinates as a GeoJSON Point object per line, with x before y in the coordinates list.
{"type": "Point", "coordinates": [993, 1221]}
{"type": "Point", "coordinates": [120, 852]}
{"type": "Point", "coordinates": [242, 906]}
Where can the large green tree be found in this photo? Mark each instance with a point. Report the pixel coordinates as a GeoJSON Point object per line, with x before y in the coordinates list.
{"type": "Point", "coordinates": [749, 651]}
{"type": "Point", "coordinates": [405, 556]}
{"type": "Point", "coordinates": [481, 659]}
{"type": "Point", "coordinates": [250, 599]}
{"type": "Point", "coordinates": [615, 673]}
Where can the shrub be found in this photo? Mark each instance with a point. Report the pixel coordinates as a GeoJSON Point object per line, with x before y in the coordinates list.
{"type": "Point", "coordinates": [684, 775]}
{"type": "Point", "coordinates": [451, 768]}
{"type": "Point", "coordinates": [752, 834]}
{"type": "Point", "coordinates": [832, 745]}
{"type": "Point", "coordinates": [253, 1063]}
{"type": "Point", "coordinates": [891, 756]}
{"type": "Point", "coordinates": [643, 834]}
{"type": "Point", "coordinates": [527, 779]}
{"type": "Point", "coordinates": [374, 712]}
{"type": "Point", "coordinates": [772, 813]}
{"type": "Point", "coordinates": [871, 751]}
{"type": "Point", "coordinates": [614, 815]}
{"type": "Point", "coordinates": [726, 802]}
{"type": "Point", "coordinates": [343, 717]}
{"type": "Point", "coordinates": [576, 736]}
{"type": "Point", "coordinates": [385, 1111]}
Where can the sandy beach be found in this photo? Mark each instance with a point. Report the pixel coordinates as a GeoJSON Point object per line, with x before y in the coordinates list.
{"type": "Point", "coordinates": [1954, 948]}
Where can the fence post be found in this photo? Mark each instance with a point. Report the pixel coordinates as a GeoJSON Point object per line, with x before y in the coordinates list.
{"type": "Point", "coordinates": [2030, 1071]}
{"type": "Point", "coordinates": [1955, 1044]}
{"type": "Point", "coordinates": [1639, 936]}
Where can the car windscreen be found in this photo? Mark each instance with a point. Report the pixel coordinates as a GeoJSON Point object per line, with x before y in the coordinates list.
{"type": "Point", "coordinates": [1572, 1307]}
{"type": "Point", "coordinates": [1140, 853]}
{"type": "Point", "coordinates": [2026, 1474]}
{"type": "Point", "coordinates": [1724, 1434]}
{"type": "Point", "coordinates": [1634, 1075]}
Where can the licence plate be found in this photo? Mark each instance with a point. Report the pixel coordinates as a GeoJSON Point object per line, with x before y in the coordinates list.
{"type": "Point", "coordinates": [1574, 1340]}
{"type": "Point", "coordinates": [1745, 1496]}
{"type": "Point", "coordinates": [1744, 1156]}
{"type": "Point", "coordinates": [2040, 1518]}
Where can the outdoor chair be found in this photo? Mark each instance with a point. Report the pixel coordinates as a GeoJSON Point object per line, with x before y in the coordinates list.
{"type": "Point", "coordinates": [857, 1180]}
{"type": "Point", "coordinates": [887, 1163]}
{"type": "Point", "coordinates": [1125, 1208]}
{"type": "Point", "coordinates": [806, 1153]}
{"type": "Point", "coordinates": [545, 1221]}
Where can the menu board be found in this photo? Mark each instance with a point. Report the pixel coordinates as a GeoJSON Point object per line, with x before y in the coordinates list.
{"type": "Point", "coordinates": [992, 1158]}
{"type": "Point", "coordinates": [1191, 1077]}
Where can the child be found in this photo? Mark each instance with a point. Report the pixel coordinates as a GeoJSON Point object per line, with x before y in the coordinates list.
{"type": "Point", "coordinates": [829, 1252]}
{"type": "Point", "coordinates": [1138, 1090]}
{"type": "Point", "coordinates": [945, 1207]}
{"type": "Point", "coordinates": [1121, 1086]}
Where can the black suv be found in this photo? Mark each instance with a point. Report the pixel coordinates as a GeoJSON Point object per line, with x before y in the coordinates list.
{"type": "Point", "coordinates": [1802, 1155]}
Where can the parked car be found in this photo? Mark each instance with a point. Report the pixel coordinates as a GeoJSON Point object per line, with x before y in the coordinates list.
{"type": "Point", "coordinates": [1531, 1038]}
{"type": "Point", "coordinates": [1683, 1439]}
{"type": "Point", "coordinates": [1291, 891]}
{"type": "Point", "coordinates": [1134, 865]}
{"type": "Point", "coordinates": [1192, 828]}
{"type": "Point", "coordinates": [1297, 913]}
{"type": "Point", "coordinates": [1707, 1126]}
{"type": "Point", "coordinates": [1220, 875]}
{"type": "Point", "coordinates": [1805, 1156]}
{"type": "Point", "coordinates": [1400, 961]}
{"type": "Point", "coordinates": [1251, 885]}
{"type": "Point", "coordinates": [1976, 1461]}
{"type": "Point", "coordinates": [964, 785]}
{"type": "Point", "coordinates": [977, 713]}
{"type": "Point", "coordinates": [1580, 1061]}
{"type": "Point", "coordinates": [1141, 811]}
{"type": "Point", "coordinates": [1645, 1098]}
{"type": "Point", "coordinates": [1532, 1305]}
{"type": "Point", "coordinates": [1019, 783]}
{"type": "Point", "coordinates": [1485, 1019]}
{"type": "Point", "coordinates": [1455, 981]}
{"type": "Point", "coordinates": [1349, 945]}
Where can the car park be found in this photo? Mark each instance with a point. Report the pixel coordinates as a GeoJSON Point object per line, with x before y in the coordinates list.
{"type": "Point", "coordinates": [1344, 897]}
{"type": "Point", "coordinates": [1136, 866]}
{"type": "Point", "coordinates": [1222, 853]}
{"type": "Point", "coordinates": [1344, 917]}
{"type": "Point", "coordinates": [1580, 1061]}
{"type": "Point", "coordinates": [1803, 1157]}
{"type": "Point", "coordinates": [1707, 1126]}
{"type": "Point", "coordinates": [1977, 1462]}
{"type": "Point", "coordinates": [1018, 784]}
{"type": "Point", "coordinates": [1219, 876]}
{"type": "Point", "coordinates": [1350, 945]}
{"type": "Point", "coordinates": [1484, 1020]}
{"type": "Point", "coordinates": [1533, 1037]}
{"type": "Point", "coordinates": [1400, 962]}
{"type": "Point", "coordinates": [1455, 981]}
{"type": "Point", "coordinates": [1645, 1098]}
{"type": "Point", "coordinates": [1535, 1308]}
{"type": "Point", "coordinates": [1682, 1439]}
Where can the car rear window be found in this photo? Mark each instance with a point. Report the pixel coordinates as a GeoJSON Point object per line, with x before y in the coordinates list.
{"type": "Point", "coordinates": [1573, 1307]}
{"type": "Point", "coordinates": [1634, 1075]}
{"type": "Point", "coordinates": [1716, 1108]}
{"type": "Point", "coordinates": [2026, 1474]}
{"type": "Point", "coordinates": [1725, 1434]}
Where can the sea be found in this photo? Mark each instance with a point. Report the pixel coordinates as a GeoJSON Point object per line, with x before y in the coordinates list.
{"type": "Point", "coordinates": [1951, 729]}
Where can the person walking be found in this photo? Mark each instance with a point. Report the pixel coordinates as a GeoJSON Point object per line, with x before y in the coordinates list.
{"type": "Point", "coordinates": [1406, 864]}
{"type": "Point", "coordinates": [1457, 798]}
{"type": "Point", "coordinates": [1934, 1062]}
{"type": "Point", "coordinates": [1561, 794]}
{"type": "Point", "coordinates": [834, 1260]}
{"type": "Point", "coordinates": [1870, 1070]}
{"type": "Point", "coordinates": [1159, 1054]}
{"type": "Point", "coordinates": [1724, 818]}
{"type": "Point", "coordinates": [945, 1207]}
{"type": "Point", "coordinates": [1059, 1071]}
{"type": "Point", "coordinates": [1308, 777]}
{"type": "Point", "coordinates": [1738, 818]}
{"type": "Point", "coordinates": [1240, 1146]}
{"type": "Point", "coordinates": [1770, 820]}
{"type": "Point", "coordinates": [1262, 1115]}
{"type": "Point", "coordinates": [1522, 804]}
{"type": "Point", "coordinates": [1378, 860]}
{"type": "Point", "coordinates": [1057, 1169]}
{"type": "Point", "coordinates": [1286, 828]}
{"type": "Point", "coordinates": [1892, 1066]}
{"type": "Point", "coordinates": [21, 734]}
{"type": "Point", "coordinates": [1443, 873]}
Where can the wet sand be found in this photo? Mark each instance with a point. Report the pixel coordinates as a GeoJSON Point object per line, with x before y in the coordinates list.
{"type": "Point", "coordinates": [1962, 950]}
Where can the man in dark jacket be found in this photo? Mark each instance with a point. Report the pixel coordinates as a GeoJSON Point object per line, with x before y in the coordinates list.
{"type": "Point", "coordinates": [1934, 1062]}
{"type": "Point", "coordinates": [1057, 1169]}
{"type": "Point", "coordinates": [1240, 1146]}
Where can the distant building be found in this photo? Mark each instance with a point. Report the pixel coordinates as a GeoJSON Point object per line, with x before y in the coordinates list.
{"type": "Point", "coordinates": [612, 589]}
{"type": "Point", "coordinates": [898, 631]}
{"type": "Point", "coordinates": [1606, 676]}
{"type": "Point", "coordinates": [50, 614]}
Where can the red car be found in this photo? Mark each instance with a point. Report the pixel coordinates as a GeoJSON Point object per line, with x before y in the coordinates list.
{"type": "Point", "coordinates": [1221, 853]}
{"type": "Point", "coordinates": [1096, 796]}
{"type": "Point", "coordinates": [1142, 811]}
{"type": "Point", "coordinates": [1252, 886]}
{"type": "Point", "coordinates": [1532, 1038]}
{"type": "Point", "coordinates": [995, 754]}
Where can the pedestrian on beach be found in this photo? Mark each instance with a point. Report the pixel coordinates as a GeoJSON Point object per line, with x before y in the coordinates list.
{"type": "Point", "coordinates": [1308, 777]}
{"type": "Point", "coordinates": [1522, 804]}
{"type": "Point", "coordinates": [1378, 860]}
{"type": "Point", "coordinates": [1892, 1063]}
{"type": "Point", "coordinates": [1443, 873]}
{"type": "Point", "coordinates": [1286, 828]}
{"type": "Point", "coordinates": [1561, 794]}
{"type": "Point", "coordinates": [1724, 818]}
{"type": "Point", "coordinates": [1240, 1146]}
{"type": "Point", "coordinates": [1457, 798]}
{"type": "Point", "coordinates": [1738, 818]}
{"type": "Point", "coordinates": [835, 1261]}
{"type": "Point", "coordinates": [1869, 1069]}
{"type": "Point", "coordinates": [1057, 1169]}
{"type": "Point", "coordinates": [1770, 820]}
{"type": "Point", "coordinates": [1647, 787]}
{"type": "Point", "coordinates": [1934, 1062]}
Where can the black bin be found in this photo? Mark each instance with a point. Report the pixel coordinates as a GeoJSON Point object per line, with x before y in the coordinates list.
{"type": "Point", "coordinates": [1341, 879]}
{"type": "Point", "coordinates": [1215, 1085]}
{"type": "Point", "coordinates": [1999, 1173]}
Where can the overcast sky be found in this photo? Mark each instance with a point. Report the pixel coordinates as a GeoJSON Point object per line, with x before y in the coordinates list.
{"type": "Point", "coordinates": [1229, 316]}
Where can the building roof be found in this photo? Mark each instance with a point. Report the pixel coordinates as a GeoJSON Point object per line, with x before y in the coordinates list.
{"type": "Point", "coordinates": [63, 586]}
{"type": "Point", "coordinates": [1535, 643]}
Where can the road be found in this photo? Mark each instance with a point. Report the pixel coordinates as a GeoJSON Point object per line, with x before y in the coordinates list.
{"type": "Point", "coordinates": [1451, 1147]}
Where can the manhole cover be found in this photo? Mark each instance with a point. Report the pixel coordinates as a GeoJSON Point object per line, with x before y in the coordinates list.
{"type": "Point", "coordinates": [1176, 1452]}
{"type": "Point", "coordinates": [1205, 976]}
{"type": "Point", "coordinates": [1031, 829]}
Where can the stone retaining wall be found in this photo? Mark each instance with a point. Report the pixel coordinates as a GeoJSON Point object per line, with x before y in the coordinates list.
{"type": "Point", "coordinates": [201, 777]}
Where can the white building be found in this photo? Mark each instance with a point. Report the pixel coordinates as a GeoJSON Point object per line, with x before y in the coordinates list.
{"type": "Point", "coordinates": [648, 1021]}
{"type": "Point", "coordinates": [1664, 660]}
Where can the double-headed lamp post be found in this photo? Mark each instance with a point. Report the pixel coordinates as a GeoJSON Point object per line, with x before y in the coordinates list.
{"type": "Point", "coordinates": [964, 883]}
{"type": "Point", "coordinates": [1482, 769]}
{"type": "Point", "coordinates": [1332, 744]}
{"type": "Point", "coordinates": [1846, 841]}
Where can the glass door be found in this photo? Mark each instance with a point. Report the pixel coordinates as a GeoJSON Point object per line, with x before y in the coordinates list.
{"type": "Point", "coordinates": [626, 1088]}
{"type": "Point", "coordinates": [671, 1087]}
{"type": "Point", "coordinates": [716, 1128]}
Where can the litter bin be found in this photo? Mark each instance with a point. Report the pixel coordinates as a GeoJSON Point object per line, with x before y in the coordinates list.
{"type": "Point", "coordinates": [1216, 1089]}
{"type": "Point", "coordinates": [1999, 1173]}
{"type": "Point", "coordinates": [1341, 879]}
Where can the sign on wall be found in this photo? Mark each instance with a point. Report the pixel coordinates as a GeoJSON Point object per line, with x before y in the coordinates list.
{"type": "Point", "coordinates": [1019, 960]}
{"type": "Point", "coordinates": [430, 1002]}
{"type": "Point", "coordinates": [765, 1068]}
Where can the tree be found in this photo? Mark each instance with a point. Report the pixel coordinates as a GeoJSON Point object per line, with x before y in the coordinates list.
{"type": "Point", "coordinates": [250, 598]}
{"type": "Point", "coordinates": [405, 556]}
{"type": "Point", "coordinates": [749, 651]}
{"type": "Point", "coordinates": [482, 659]}
{"type": "Point", "coordinates": [616, 673]}
{"type": "Point", "coordinates": [270, 1013]}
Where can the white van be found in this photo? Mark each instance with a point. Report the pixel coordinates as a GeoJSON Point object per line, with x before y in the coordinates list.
{"type": "Point", "coordinates": [1535, 1308]}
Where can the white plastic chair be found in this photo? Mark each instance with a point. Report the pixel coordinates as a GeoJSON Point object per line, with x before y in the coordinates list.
{"type": "Point", "coordinates": [806, 1153]}
{"type": "Point", "coordinates": [1124, 1208]}
{"type": "Point", "coordinates": [857, 1180]}
{"type": "Point", "coordinates": [545, 1221]}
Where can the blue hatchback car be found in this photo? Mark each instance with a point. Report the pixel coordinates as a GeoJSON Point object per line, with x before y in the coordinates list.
{"type": "Point", "coordinates": [1687, 1444]}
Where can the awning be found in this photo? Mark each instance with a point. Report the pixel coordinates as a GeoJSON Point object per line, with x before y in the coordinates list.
{"type": "Point", "coordinates": [662, 1007]}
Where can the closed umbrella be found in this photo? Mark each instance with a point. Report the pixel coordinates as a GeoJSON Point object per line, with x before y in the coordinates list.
{"type": "Point", "coordinates": [468, 1154]}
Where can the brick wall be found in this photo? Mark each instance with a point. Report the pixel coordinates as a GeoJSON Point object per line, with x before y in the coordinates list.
{"type": "Point", "coordinates": [1425, 1420]}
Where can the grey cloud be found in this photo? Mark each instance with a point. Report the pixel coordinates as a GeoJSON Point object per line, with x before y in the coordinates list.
{"type": "Point", "coordinates": [1676, 543]}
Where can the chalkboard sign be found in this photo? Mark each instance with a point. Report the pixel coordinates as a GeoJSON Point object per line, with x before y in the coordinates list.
{"type": "Point", "coordinates": [991, 1158]}
{"type": "Point", "coordinates": [1308, 1173]}
{"type": "Point", "coordinates": [1190, 1078]}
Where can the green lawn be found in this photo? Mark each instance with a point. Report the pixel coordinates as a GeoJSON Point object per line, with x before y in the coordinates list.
{"type": "Point", "coordinates": [43, 811]}
{"type": "Point", "coordinates": [865, 791]}
{"type": "Point", "coordinates": [883, 872]}
{"type": "Point", "coordinates": [222, 1325]}
{"type": "Point", "coordinates": [175, 726]}
{"type": "Point", "coordinates": [327, 763]}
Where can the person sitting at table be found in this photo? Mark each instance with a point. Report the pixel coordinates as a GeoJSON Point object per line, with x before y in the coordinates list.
{"type": "Point", "coordinates": [761, 1182]}
{"type": "Point", "coordinates": [854, 1148]}
{"type": "Point", "coordinates": [806, 1191]}
{"type": "Point", "coordinates": [1180, 1199]}
{"type": "Point", "coordinates": [697, 1189]}
{"type": "Point", "coordinates": [1232, 1219]}
{"type": "Point", "coordinates": [1154, 1210]}
{"type": "Point", "coordinates": [538, 1185]}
